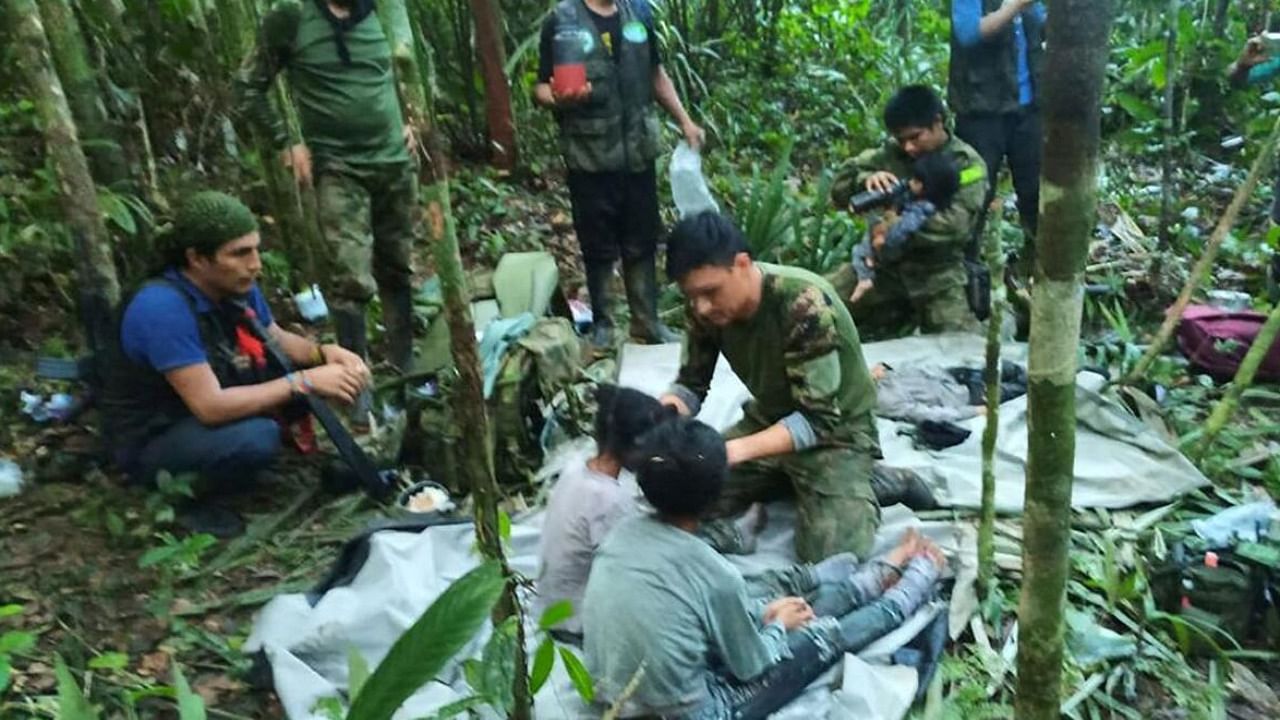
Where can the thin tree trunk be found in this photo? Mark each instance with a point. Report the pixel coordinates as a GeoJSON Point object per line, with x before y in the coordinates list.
{"type": "Point", "coordinates": [1261, 166]}
{"type": "Point", "coordinates": [1074, 74]}
{"type": "Point", "coordinates": [99, 289]}
{"type": "Point", "coordinates": [80, 82]}
{"type": "Point", "coordinates": [1226, 407]}
{"type": "Point", "coordinates": [1220, 18]}
{"type": "Point", "coordinates": [986, 524]}
{"type": "Point", "coordinates": [1167, 171]}
{"type": "Point", "coordinates": [467, 402]}
{"type": "Point", "coordinates": [497, 93]}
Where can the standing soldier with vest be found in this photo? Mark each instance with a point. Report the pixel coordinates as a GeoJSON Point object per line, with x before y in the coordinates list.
{"type": "Point", "coordinates": [996, 54]}
{"type": "Point", "coordinates": [356, 147]}
{"type": "Point", "coordinates": [925, 288]}
{"type": "Point", "coordinates": [609, 139]}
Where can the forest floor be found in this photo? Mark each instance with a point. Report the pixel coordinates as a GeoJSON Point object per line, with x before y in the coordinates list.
{"type": "Point", "coordinates": [96, 573]}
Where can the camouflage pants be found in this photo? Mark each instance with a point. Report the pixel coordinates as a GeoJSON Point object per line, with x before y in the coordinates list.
{"type": "Point", "coordinates": [368, 221]}
{"type": "Point", "coordinates": [897, 305]}
{"type": "Point", "coordinates": [835, 506]}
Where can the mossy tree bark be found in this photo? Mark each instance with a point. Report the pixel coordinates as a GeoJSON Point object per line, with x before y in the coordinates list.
{"type": "Point", "coordinates": [80, 82]}
{"type": "Point", "coordinates": [986, 525]}
{"type": "Point", "coordinates": [1072, 100]}
{"type": "Point", "coordinates": [467, 402]}
{"type": "Point", "coordinates": [99, 290]}
{"type": "Point", "coordinates": [497, 92]}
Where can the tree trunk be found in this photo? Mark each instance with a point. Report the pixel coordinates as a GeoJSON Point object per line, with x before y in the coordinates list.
{"type": "Point", "coordinates": [1167, 171]}
{"type": "Point", "coordinates": [497, 93]}
{"type": "Point", "coordinates": [1226, 407]}
{"type": "Point", "coordinates": [467, 402]}
{"type": "Point", "coordinates": [99, 290]}
{"type": "Point", "coordinates": [1073, 73]}
{"type": "Point", "coordinates": [986, 525]}
{"type": "Point", "coordinates": [1261, 166]}
{"type": "Point", "coordinates": [80, 82]}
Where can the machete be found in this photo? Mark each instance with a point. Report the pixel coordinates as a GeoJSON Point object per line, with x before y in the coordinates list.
{"type": "Point", "coordinates": [376, 484]}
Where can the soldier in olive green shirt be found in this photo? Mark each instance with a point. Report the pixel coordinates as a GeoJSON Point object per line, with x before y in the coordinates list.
{"type": "Point", "coordinates": [355, 145]}
{"type": "Point", "coordinates": [926, 288]}
{"type": "Point", "coordinates": [809, 427]}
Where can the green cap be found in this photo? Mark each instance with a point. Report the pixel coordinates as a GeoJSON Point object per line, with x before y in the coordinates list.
{"type": "Point", "coordinates": [208, 220]}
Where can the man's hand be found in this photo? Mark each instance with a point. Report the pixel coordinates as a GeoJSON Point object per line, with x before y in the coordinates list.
{"type": "Point", "coordinates": [1253, 53]}
{"type": "Point", "coordinates": [675, 402]}
{"type": "Point", "coordinates": [298, 158]}
{"type": "Point", "coordinates": [693, 135]}
{"type": "Point", "coordinates": [338, 355]}
{"type": "Point", "coordinates": [862, 288]}
{"type": "Point", "coordinates": [735, 452]}
{"type": "Point", "coordinates": [882, 181]}
{"type": "Point", "coordinates": [569, 99]}
{"type": "Point", "coordinates": [337, 382]}
{"type": "Point", "coordinates": [792, 612]}
{"type": "Point", "coordinates": [410, 140]}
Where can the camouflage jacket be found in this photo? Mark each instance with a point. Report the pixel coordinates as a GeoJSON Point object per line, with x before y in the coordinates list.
{"type": "Point", "coordinates": [800, 357]}
{"type": "Point", "coordinates": [933, 258]}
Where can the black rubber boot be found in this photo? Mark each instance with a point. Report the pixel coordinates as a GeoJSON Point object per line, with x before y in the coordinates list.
{"type": "Point", "coordinates": [893, 485]}
{"type": "Point", "coordinates": [598, 277]}
{"type": "Point", "coordinates": [349, 325]}
{"type": "Point", "coordinates": [397, 316]}
{"type": "Point", "coordinates": [641, 279]}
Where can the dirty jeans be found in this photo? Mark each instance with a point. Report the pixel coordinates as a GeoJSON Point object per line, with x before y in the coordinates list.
{"type": "Point", "coordinates": [225, 456]}
{"type": "Point", "coordinates": [813, 651]}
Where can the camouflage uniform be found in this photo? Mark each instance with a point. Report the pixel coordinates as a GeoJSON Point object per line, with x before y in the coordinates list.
{"type": "Point", "coordinates": [926, 289]}
{"type": "Point", "coordinates": [366, 189]}
{"type": "Point", "coordinates": [800, 357]}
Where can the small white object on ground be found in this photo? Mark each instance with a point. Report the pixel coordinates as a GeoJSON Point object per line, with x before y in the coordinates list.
{"type": "Point", "coordinates": [10, 478]}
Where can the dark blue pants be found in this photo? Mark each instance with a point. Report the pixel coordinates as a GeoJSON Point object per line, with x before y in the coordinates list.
{"type": "Point", "coordinates": [226, 456]}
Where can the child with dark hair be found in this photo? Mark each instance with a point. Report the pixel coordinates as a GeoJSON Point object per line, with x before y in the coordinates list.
{"type": "Point", "coordinates": [934, 182]}
{"type": "Point", "coordinates": [661, 599]}
{"type": "Point", "coordinates": [588, 499]}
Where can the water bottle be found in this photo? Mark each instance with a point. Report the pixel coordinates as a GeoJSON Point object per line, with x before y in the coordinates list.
{"type": "Point", "coordinates": [569, 70]}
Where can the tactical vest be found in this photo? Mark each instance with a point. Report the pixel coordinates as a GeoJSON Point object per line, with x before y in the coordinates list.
{"type": "Point", "coordinates": [138, 403]}
{"type": "Point", "coordinates": [984, 78]}
{"type": "Point", "coordinates": [616, 129]}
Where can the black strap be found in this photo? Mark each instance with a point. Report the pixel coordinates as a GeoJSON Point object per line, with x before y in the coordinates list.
{"type": "Point", "coordinates": [360, 10]}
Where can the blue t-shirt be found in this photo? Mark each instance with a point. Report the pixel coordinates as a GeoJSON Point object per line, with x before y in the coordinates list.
{"type": "Point", "coordinates": [966, 15]}
{"type": "Point", "coordinates": [160, 332]}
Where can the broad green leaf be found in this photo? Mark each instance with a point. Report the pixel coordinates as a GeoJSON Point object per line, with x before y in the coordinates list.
{"type": "Point", "coordinates": [117, 212]}
{"type": "Point", "coordinates": [357, 671]}
{"type": "Point", "coordinates": [6, 670]}
{"type": "Point", "coordinates": [543, 661]}
{"type": "Point", "coordinates": [330, 708]}
{"type": "Point", "coordinates": [498, 667]}
{"type": "Point", "coordinates": [72, 704]}
{"type": "Point", "coordinates": [109, 661]}
{"type": "Point", "coordinates": [16, 641]}
{"type": "Point", "coordinates": [10, 610]}
{"type": "Point", "coordinates": [190, 705]}
{"type": "Point", "coordinates": [424, 649]}
{"type": "Point", "coordinates": [555, 614]}
{"type": "Point", "coordinates": [157, 555]}
{"type": "Point", "coordinates": [578, 674]}
{"type": "Point", "coordinates": [504, 526]}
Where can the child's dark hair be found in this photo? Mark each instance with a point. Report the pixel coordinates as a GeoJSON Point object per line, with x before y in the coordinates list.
{"type": "Point", "coordinates": [622, 416]}
{"type": "Point", "coordinates": [705, 239]}
{"type": "Point", "coordinates": [913, 106]}
{"type": "Point", "coordinates": [940, 176]}
{"type": "Point", "coordinates": [681, 467]}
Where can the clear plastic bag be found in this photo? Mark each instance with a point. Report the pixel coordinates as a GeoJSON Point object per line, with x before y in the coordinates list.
{"type": "Point", "coordinates": [688, 186]}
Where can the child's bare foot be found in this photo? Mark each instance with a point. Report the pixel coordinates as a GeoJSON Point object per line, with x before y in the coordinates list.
{"type": "Point", "coordinates": [930, 550]}
{"type": "Point", "coordinates": [907, 548]}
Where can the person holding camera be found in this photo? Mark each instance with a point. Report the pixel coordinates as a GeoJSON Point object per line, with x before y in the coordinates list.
{"type": "Point", "coordinates": [925, 287]}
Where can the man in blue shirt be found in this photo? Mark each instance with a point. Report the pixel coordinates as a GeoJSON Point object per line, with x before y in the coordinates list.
{"type": "Point", "coordinates": [996, 53]}
{"type": "Point", "coordinates": [190, 388]}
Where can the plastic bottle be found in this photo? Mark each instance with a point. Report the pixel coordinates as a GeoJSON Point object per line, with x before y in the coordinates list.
{"type": "Point", "coordinates": [569, 70]}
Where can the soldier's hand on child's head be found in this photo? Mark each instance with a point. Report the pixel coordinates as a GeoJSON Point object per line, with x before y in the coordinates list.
{"type": "Point", "coordinates": [862, 288]}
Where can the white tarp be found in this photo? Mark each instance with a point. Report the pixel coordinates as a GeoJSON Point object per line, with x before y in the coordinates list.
{"type": "Point", "coordinates": [1120, 462]}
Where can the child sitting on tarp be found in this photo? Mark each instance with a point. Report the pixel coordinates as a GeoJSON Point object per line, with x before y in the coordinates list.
{"type": "Point", "coordinates": [672, 628]}
{"type": "Point", "coordinates": [934, 181]}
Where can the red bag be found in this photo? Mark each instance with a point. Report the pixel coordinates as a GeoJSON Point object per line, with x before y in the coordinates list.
{"type": "Point", "coordinates": [1216, 340]}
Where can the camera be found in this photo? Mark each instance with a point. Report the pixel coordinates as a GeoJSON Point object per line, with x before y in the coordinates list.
{"type": "Point", "coordinates": [865, 201]}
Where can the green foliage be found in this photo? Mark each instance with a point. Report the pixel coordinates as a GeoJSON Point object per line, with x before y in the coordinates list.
{"type": "Point", "coordinates": [424, 649]}
{"type": "Point", "coordinates": [190, 705]}
{"type": "Point", "coordinates": [72, 704]}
